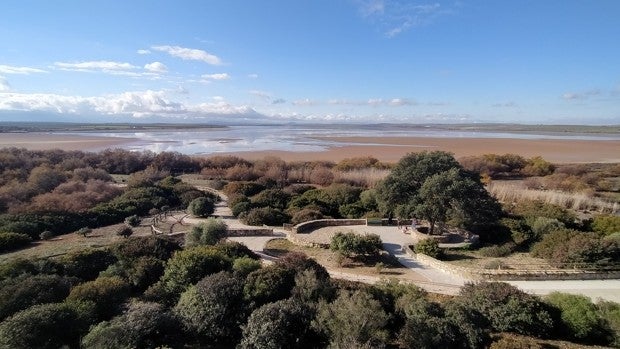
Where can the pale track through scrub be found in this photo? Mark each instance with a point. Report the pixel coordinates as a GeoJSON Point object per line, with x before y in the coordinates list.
{"type": "Point", "coordinates": [577, 201]}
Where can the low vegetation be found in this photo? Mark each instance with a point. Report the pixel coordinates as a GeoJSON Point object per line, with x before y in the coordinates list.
{"type": "Point", "coordinates": [148, 291]}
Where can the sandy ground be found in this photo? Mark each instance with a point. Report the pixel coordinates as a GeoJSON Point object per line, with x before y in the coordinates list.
{"type": "Point", "coordinates": [46, 141]}
{"type": "Point", "coordinates": [388, 149]}
{"type": "Point", "coordinates": [391, 149]}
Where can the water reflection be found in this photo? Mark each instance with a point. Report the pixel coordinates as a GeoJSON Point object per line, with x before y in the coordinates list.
{"type": "Point", "coordinates": [299, 138]}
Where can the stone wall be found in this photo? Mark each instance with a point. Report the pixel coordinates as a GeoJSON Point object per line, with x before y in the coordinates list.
{"type": "Point", "coordinates": [512, 274]}
{"type": "Point", "coordinates": [303, 228]}
{"type": "Point", "coordinates": [249, 232]}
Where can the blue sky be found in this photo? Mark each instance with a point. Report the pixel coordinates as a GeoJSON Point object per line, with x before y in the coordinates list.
{"type": "Point", "coordinates": [312, 60]}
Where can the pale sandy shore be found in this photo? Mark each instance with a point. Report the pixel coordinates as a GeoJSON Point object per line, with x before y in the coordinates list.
{"type": "Point", "coordinates": [388, 149]}
{"type": "Point", "coordinates": [391, 149]}
{"type": "Point", "coordinates": [46, 141]}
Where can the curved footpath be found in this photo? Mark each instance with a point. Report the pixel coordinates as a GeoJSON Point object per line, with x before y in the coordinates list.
{"type": "Point", "coordinates": [436, 281]}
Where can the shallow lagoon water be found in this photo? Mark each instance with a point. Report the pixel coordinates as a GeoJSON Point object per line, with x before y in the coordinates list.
{"type": "Point", "coordinates": [301, 138]}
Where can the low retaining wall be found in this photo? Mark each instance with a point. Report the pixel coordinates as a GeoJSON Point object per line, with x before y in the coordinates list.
{"type": "Point", "coordinates": [512, 274]}
{"type": "Point", "coordinates": [249, 232]}
{"type": "Point", "coordinates": [303, 228]}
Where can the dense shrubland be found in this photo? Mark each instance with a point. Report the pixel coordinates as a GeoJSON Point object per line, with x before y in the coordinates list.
{"type": "Point", "coordinates": [150, 292]}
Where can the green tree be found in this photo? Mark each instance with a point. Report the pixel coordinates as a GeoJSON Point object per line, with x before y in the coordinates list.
{"type": "Point", "coordinates": [201, 207]}
{"type": "Point", "coordinates": [124, 231]}
{"type": "Point", "coordinates": [88, 263]}
{"type": "Point", "coordinates": [268, 284]}
{"type": "Point", "coordinates": [407, 177]}
{"type": "Point", "coordinates": [107, 293]}
{"type": "Point", "coordinates": [52, 326]}
{"type": "Point", "coordinates": [189, 266]}
{"type": "Point", "coordinates": [353, 320]}
{"type": "Point", "coordinates": [12, 241]}
{"type": "Point", "coordinates": [283, 324]}
{"type": "Point", "coordinates": [606, 225]}
{"type": "Point", "coordinates": [429, 247]}
{"type": "Point", "coordinates": [27, 290]}
{"type": "Point", "coordinates": [214, 309]}
{"type": "Point", "coordinates": [434, 186]}
{"type": "Point", "coordinates": [580, 318]}
{"type": "Point", "coordinates": [507, 308]}
{"type": "Point", "coordinates": [207, 233]}
{"type": "Point", "coordinates": [351, 244]}
{"type": "Point", "coordinates": [144, 325]}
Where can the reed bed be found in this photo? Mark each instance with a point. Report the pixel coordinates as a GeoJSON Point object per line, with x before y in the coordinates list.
{"type": "Point", "coordinates": [581, 201]}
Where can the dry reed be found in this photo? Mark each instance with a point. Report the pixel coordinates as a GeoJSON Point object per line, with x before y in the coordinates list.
{"type": "Point", "coordinates": [505, 192]}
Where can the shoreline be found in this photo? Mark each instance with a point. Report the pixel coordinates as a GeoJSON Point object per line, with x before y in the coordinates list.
{"type": "Point", "coordinates": [48, 141]}
{"type": "Point", "coordinates": [391, 149]}
{"type": "Point", "coordinates": [386, 149]}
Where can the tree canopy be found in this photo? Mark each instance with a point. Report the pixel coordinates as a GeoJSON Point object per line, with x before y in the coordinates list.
{"type": "Point", "coordinates": [434, 186]}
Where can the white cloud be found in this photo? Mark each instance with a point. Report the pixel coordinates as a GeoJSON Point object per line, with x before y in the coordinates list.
{"type": "Point", "coordinates": [108, 67]}
{"type": "Point", "coordinates": [570, 96]}
{"type": "Point", "coordinates": [4, 85]}
{"type": "Point", "coordinates": [305, 102]}
{"type": "Point", "coordinates": [95, 66]}
{"type": "Point", "coordinates": [189, 54]}
{"type": "Point", "coordinates": [397, 16]}
{"type": "Point", "coordinates": [374, 102]}
{"type": "Point", "coordinates": [399, 102]}
{"type": "Point", "coordinates": [221, 76]}
{"type": "Point", "coordinates": [156, 67]}
{"type": "Point", "coordinates": [135, 104]}
{"type": "Point", "coordinates": [505, 105]}
{"type": "Point", "coordinates": [8, 69]}
{"type": "Point", "coordinates": [371, 7]}
{"type": "Point", "coordinates": [253, 76]}
{"type": "Point", "coordinates": [143, 52]}
{"type": "Point", "coordinates": [260, 94]}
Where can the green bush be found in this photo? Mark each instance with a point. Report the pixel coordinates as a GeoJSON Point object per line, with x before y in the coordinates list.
{"type": "Point", "coordinates": [507, 308]}
{"type": "Point", "coordinates": [107, 293]}
{"type": "Point", "coordinates": [580, 318]}
{"type": "Point", "coordinates": [496, 251]}
{"type": "Point", "coordinates": [610, 313]}
{"type": "Point", "coordinates": [265, 216]}
{"type": "Point", "coordinates": [268, 284]}
{"type": "Point", "coordinates": [144, 325]}
{"type": "Point", "coordinates": [201, 207]}
{"type": "Point", "coordinates": [570, 248]}
{"type": "Point", "coordinates": [124, 231]}
{"type": "Point", "coordinates": [288, 323]}
{"type": "Point", "coordinates": [305, 215]}
{"type": "Point", "coordinates": [429, 247]}
{"type": "Point", "coordinates": [133, 248]}
{"type": "Point", "coordinates": [88, 263]}
{"type": "Point", "coordinates": [46, 235]}
{"type": "Point", "coordinates": [241, 207]}
{"type": "Point", "coordinates": [188, 266]}
{"type": "Point", "coordinates": [245, 265]}
{"type": "Point", "coordinates": [27, 290]}
{"type": "Point", "coordinates": [213, 309]}
{"type": "Point", "coordinates": [13, 241]}
{"type": "Point", "coordinates": [53, 325]}
{"type": "Point", "coordinates": [207, 233]}
{"type": "Point", "coordinates": [351, 244]}
{"type": "Point", "coordinates": [244, 188]}
{"type": "Point", "coordinates": [606, 225]}
{"type": "Point", "coordinates": [274, 198]}
{"type": "Point", "coordinates": [132, 221]}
